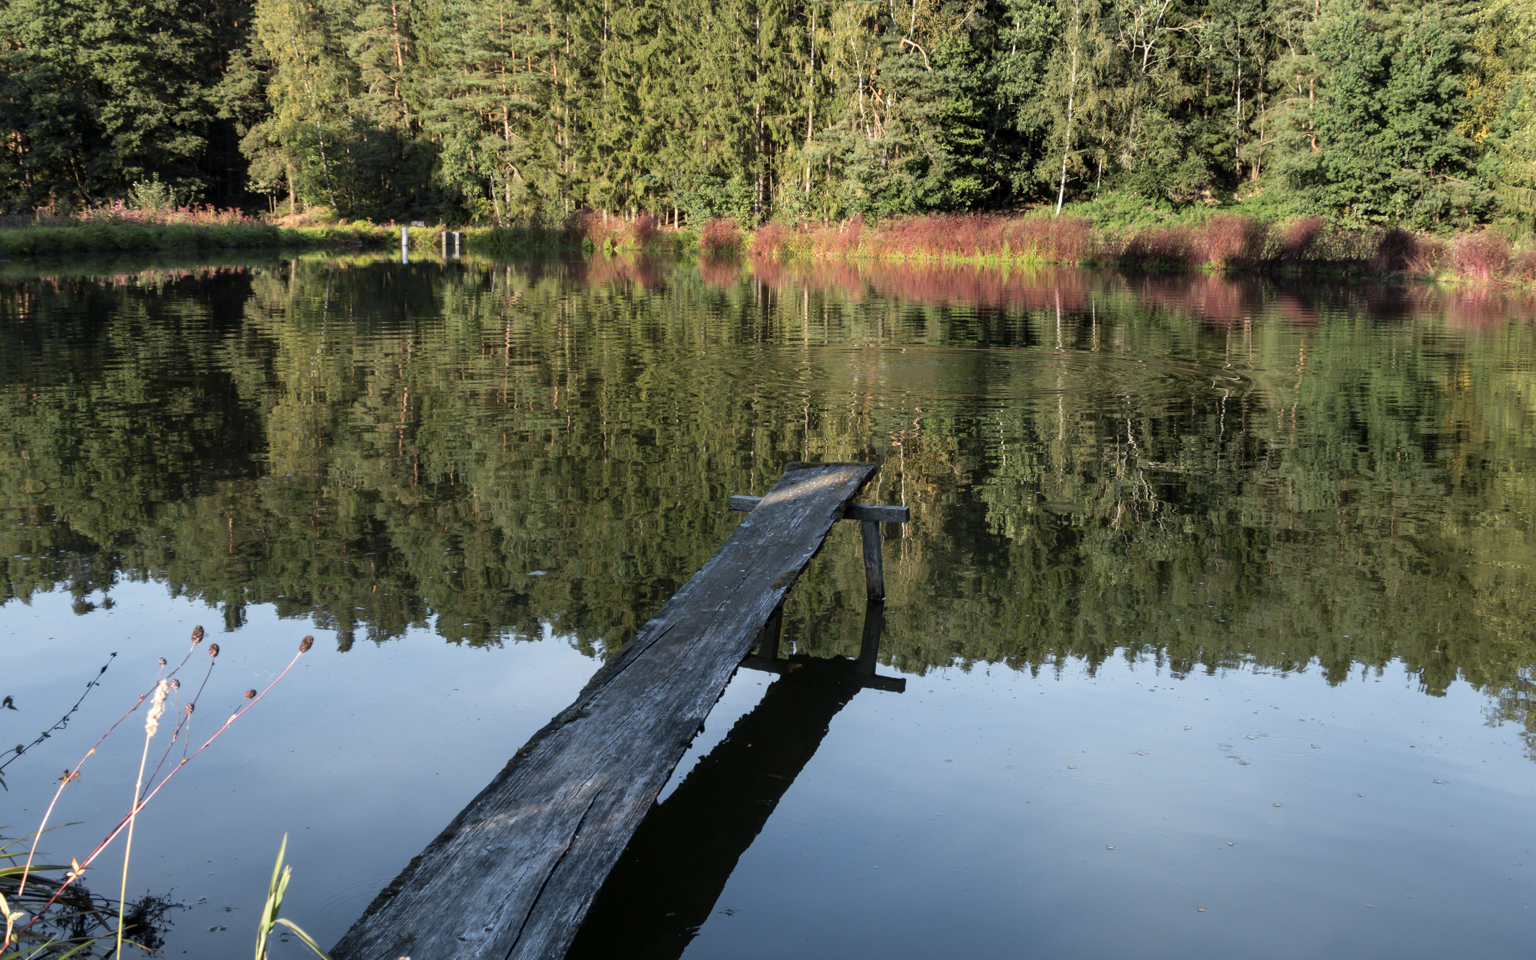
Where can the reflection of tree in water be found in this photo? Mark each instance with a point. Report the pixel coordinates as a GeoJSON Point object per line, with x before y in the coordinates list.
{"type": "Point", "coordinates": [1207, 473]}
{"type": "Point", "coordinates": [1514, 701]}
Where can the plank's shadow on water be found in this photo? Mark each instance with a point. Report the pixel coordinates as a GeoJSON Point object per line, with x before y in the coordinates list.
{"type": "Point", "coordinates": [667, 882]}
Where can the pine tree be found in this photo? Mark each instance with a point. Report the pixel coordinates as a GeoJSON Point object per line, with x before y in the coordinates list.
{"type": "Point", "coordinates": [1384, 145]}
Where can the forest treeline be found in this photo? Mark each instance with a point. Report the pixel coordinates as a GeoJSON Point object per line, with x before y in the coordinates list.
{"type": "Point", "coordinates": [1421, 112]}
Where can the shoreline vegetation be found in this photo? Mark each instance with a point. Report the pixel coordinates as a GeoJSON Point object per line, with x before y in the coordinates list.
{"type": "Point", "coordinates": [1146, 239]}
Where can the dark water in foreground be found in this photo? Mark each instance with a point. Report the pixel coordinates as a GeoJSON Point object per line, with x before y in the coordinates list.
{"type": "Point", "coordinates": [1214, 613]}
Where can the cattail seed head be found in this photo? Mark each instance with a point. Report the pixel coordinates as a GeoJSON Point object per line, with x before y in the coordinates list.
{"type": "Point", "coordinates": [197, 634]}
{"type": "Point", "coordinates": [213, 650]}
{"type": "Point", "coordinates": [250, 694]}
{"type": "Point", "coordinates": [305, 644]}
{"type": "Point", "coordinates": [156, 707]}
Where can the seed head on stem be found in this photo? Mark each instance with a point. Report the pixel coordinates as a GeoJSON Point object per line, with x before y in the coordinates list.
{"type": "Point", "coordinates": [156, 708]}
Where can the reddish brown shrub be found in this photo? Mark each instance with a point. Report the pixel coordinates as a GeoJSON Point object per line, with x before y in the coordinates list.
{"type": "Point", "coordinates": [1162, 246]}
{"type": "Point", "coordinates": [643, 229]}
{"type": "Point", "coordinates": [1522, 266]}
{"type": "Point", "coordinates": [1427, 257]}
{"type": "Point", "coordinates": [1065, 239]}
{"type": "Point", "coordinates": [719, 237]}
{"type": "Point", "coordinates": [829, 239]}
{"type": "Point", "coordinates": [1480, 256]}
{"type": "Point", "coordinates": [770, 240]}
{"type": "Point", "coordinates": [849, 234]}
{"type": "Point", "coordinates": [1394, 248]}
{"type": "Point", "coordinates": [1071, 239]}
{"type": "Point", "coordinates": [1029, 238]}
{"type": "Point", "coordinates": [596, 226]}
{"type": "Point", "coordinates": [1298, 237]}
{"type": "Point", "coordinates": [1229, 240]}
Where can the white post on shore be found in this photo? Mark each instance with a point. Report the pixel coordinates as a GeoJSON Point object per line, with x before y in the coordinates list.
{"type": "Point", "coordinates": [405, 244]}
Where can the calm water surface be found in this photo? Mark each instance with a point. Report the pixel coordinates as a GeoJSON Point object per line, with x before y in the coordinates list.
{"type": "Point", "coordinates": [1214, 613]}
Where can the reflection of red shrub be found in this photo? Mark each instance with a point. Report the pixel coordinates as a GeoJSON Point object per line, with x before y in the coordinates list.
{"type": "Point", "coordinates": [719, 273]}
{"type": "Point", "coordinates": [1478, 307]}
{"type": "Point", "coordinates": [719, 237]}
{"type": "Point", "coordinates": [643, 271]}
{"type": "Point", "coordinates": [1480, 256]}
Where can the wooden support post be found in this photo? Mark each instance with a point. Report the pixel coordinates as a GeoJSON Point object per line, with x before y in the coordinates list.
{"type": "Point", "coordinates": [874, 569]}
{"type": "Point", "coordinates": [768, 643]}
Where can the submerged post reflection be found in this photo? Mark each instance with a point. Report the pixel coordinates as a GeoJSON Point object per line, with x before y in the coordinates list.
{"type": "Point", "coordinates": [665, 885]}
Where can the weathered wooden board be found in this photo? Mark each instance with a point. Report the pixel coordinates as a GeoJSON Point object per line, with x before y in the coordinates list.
{"type": "Point", "coordinates": [514, 873]}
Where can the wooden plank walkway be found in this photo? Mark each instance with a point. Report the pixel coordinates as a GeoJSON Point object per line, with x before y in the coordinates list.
{"type": "Point", "coordinates": [515, 872]}
{"type": "Point", "coordinates": [666, 885]}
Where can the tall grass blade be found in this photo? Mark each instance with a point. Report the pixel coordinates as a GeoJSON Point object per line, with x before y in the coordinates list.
{"type": "Point", "coordinates": [269, 913]}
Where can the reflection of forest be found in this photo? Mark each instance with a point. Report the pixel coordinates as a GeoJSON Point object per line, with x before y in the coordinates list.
{"type": "Point", "coordinates": [1204, 471]}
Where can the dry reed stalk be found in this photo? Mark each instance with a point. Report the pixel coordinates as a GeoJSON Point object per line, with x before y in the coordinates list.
{"type": "Point", "coordinates": [151, 727]}
{"type": "Point", "coordinates": [250, 700]}
{"type": "Point", "coordinates": [74, 774]}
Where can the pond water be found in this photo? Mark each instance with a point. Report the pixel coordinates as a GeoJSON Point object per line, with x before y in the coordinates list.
{"type": "Point", "coordinates": [1214, 613]}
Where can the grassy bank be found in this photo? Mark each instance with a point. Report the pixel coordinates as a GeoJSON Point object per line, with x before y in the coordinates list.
{"type": "Point", "coordinates": [1221, 241]}
{"type": "Point", "coordinates": [153, 226]}
{"type": "Point", "coordinates": [85, 238]}
{"type": "Point", "coordinates": [1117, 231]}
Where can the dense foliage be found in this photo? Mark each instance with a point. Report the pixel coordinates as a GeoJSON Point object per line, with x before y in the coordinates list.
{"type": "Point", "coordinates": [1413, 111]}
